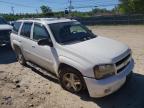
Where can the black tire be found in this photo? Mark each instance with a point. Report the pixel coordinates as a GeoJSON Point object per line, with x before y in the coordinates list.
{"type": "Point", "coordinates": [20, 57]}
{"type": "Point", "coordinates": [78, 83]}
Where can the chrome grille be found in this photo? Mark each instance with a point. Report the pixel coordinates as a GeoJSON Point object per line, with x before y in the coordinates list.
{"type": "Point", "coordinates": [120, 65]}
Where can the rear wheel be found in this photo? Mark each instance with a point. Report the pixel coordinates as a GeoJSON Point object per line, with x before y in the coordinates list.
{"type": "Point", "coordinates": [20, 57]}
{"type": "Point", "coordinates": [71, 80]}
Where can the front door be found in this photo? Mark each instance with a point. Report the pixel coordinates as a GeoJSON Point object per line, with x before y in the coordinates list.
{"type": "Point", "coordinates": [43, 55]}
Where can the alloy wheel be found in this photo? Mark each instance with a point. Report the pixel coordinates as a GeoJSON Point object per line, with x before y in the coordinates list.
{"type": "Point", "coordinates": [72, 82]}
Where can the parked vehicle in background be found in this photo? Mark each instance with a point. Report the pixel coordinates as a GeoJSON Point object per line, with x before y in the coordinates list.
{"type": "Point", "coordinates": [5, 30]}
{"type": "Point", "coordinates": [79, 58]}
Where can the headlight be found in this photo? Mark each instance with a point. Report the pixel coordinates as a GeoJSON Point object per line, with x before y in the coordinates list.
{"type": "Point", "coordinates": [104, 71]}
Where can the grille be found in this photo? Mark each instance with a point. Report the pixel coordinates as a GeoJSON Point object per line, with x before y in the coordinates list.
{"type": "Point", "coordinates": [120, 65]}
{"type": "Point", "coordinates": [4, 34]}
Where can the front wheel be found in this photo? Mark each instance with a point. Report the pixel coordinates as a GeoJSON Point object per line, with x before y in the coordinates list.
{"type": "Point", "coordinates": [71, 80]}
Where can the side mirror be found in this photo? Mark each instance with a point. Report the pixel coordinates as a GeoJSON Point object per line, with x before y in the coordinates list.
{"type": "Point", "coordinates": [43, 42]}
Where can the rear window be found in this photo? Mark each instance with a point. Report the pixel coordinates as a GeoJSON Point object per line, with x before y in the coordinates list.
{"type": "Point", "coordinates": [26, 30]}
{"type": "Point", "coordinates": [16, 27]}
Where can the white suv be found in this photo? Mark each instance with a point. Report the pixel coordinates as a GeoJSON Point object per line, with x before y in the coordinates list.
{"type": "Point", "coordinates": [79, 58]}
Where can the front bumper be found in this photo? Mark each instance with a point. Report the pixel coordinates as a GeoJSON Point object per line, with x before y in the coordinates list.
{"type": "Point", "coordinates": [3, 43]}
{"type": "Point", "coordinates": [101, 88]}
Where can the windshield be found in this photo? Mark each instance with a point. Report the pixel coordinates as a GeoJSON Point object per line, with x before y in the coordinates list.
{"type": "Point", "coordinates": [70, 32]}
{"type": "Point", "coordinates": [2, 21]}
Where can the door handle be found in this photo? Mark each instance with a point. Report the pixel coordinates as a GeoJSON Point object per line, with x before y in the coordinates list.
{"type": "Point", "coordinates": [33, 46]}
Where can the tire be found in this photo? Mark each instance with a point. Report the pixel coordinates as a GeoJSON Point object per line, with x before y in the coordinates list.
{"type": "Point", "coordinates": [71, 80]}
{"type": "Point", "coordinates": [20, 57]}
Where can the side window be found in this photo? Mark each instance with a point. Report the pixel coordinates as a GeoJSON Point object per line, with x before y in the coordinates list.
{"type": "Point", "coordinates": [16, 27]}
{"type": "Point", "coordinates": [40, 32]}
{"type": "Point", "coordinates": [26, 30]}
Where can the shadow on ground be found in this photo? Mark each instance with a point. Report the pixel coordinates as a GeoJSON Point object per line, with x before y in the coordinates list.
{"type": "Point", "coordinates": [7, 55]}
{"type": "Point", "coordinates": [49, 76]}
{"type": "Point", "coordinates": [131, 95]}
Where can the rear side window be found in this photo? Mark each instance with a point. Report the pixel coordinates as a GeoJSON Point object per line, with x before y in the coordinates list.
{"type": "Point", "coordinates": [16, 27]}
{"type": "Point", "coordinates": [26, 30]}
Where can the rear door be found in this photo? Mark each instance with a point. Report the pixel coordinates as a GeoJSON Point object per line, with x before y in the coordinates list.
{"type": "Point", "coordinates": [25, 40]}
{"type": "Point", "coordinates": [42, 55]}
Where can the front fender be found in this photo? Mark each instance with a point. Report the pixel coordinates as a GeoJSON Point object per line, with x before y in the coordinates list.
{"type": "Point", "coordinates": [84, 69]}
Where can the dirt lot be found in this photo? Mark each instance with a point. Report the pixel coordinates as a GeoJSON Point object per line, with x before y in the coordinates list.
{"type": "Point", "coordinates": [24, 87]}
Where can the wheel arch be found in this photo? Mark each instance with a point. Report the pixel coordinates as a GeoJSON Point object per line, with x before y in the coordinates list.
{"type": "Point", "coordinates": [63, 65]}
{"type": "Point", "coordinates": [16, 47]}
{"type": "Point", "coordinates": [68, 62]}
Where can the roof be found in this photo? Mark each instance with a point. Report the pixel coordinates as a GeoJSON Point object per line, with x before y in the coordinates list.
{"type": "Point", "coordinates": [47, 20]}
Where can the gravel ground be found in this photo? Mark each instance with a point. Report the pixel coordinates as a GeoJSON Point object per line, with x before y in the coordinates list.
{"type": "Point", "coordinates": [25, 87]}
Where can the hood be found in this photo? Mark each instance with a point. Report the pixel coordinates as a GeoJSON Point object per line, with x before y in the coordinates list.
{"type": "Point", "coordinates": [97, 50]}
{"type": "Point", "coordinates": [5, 27]}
